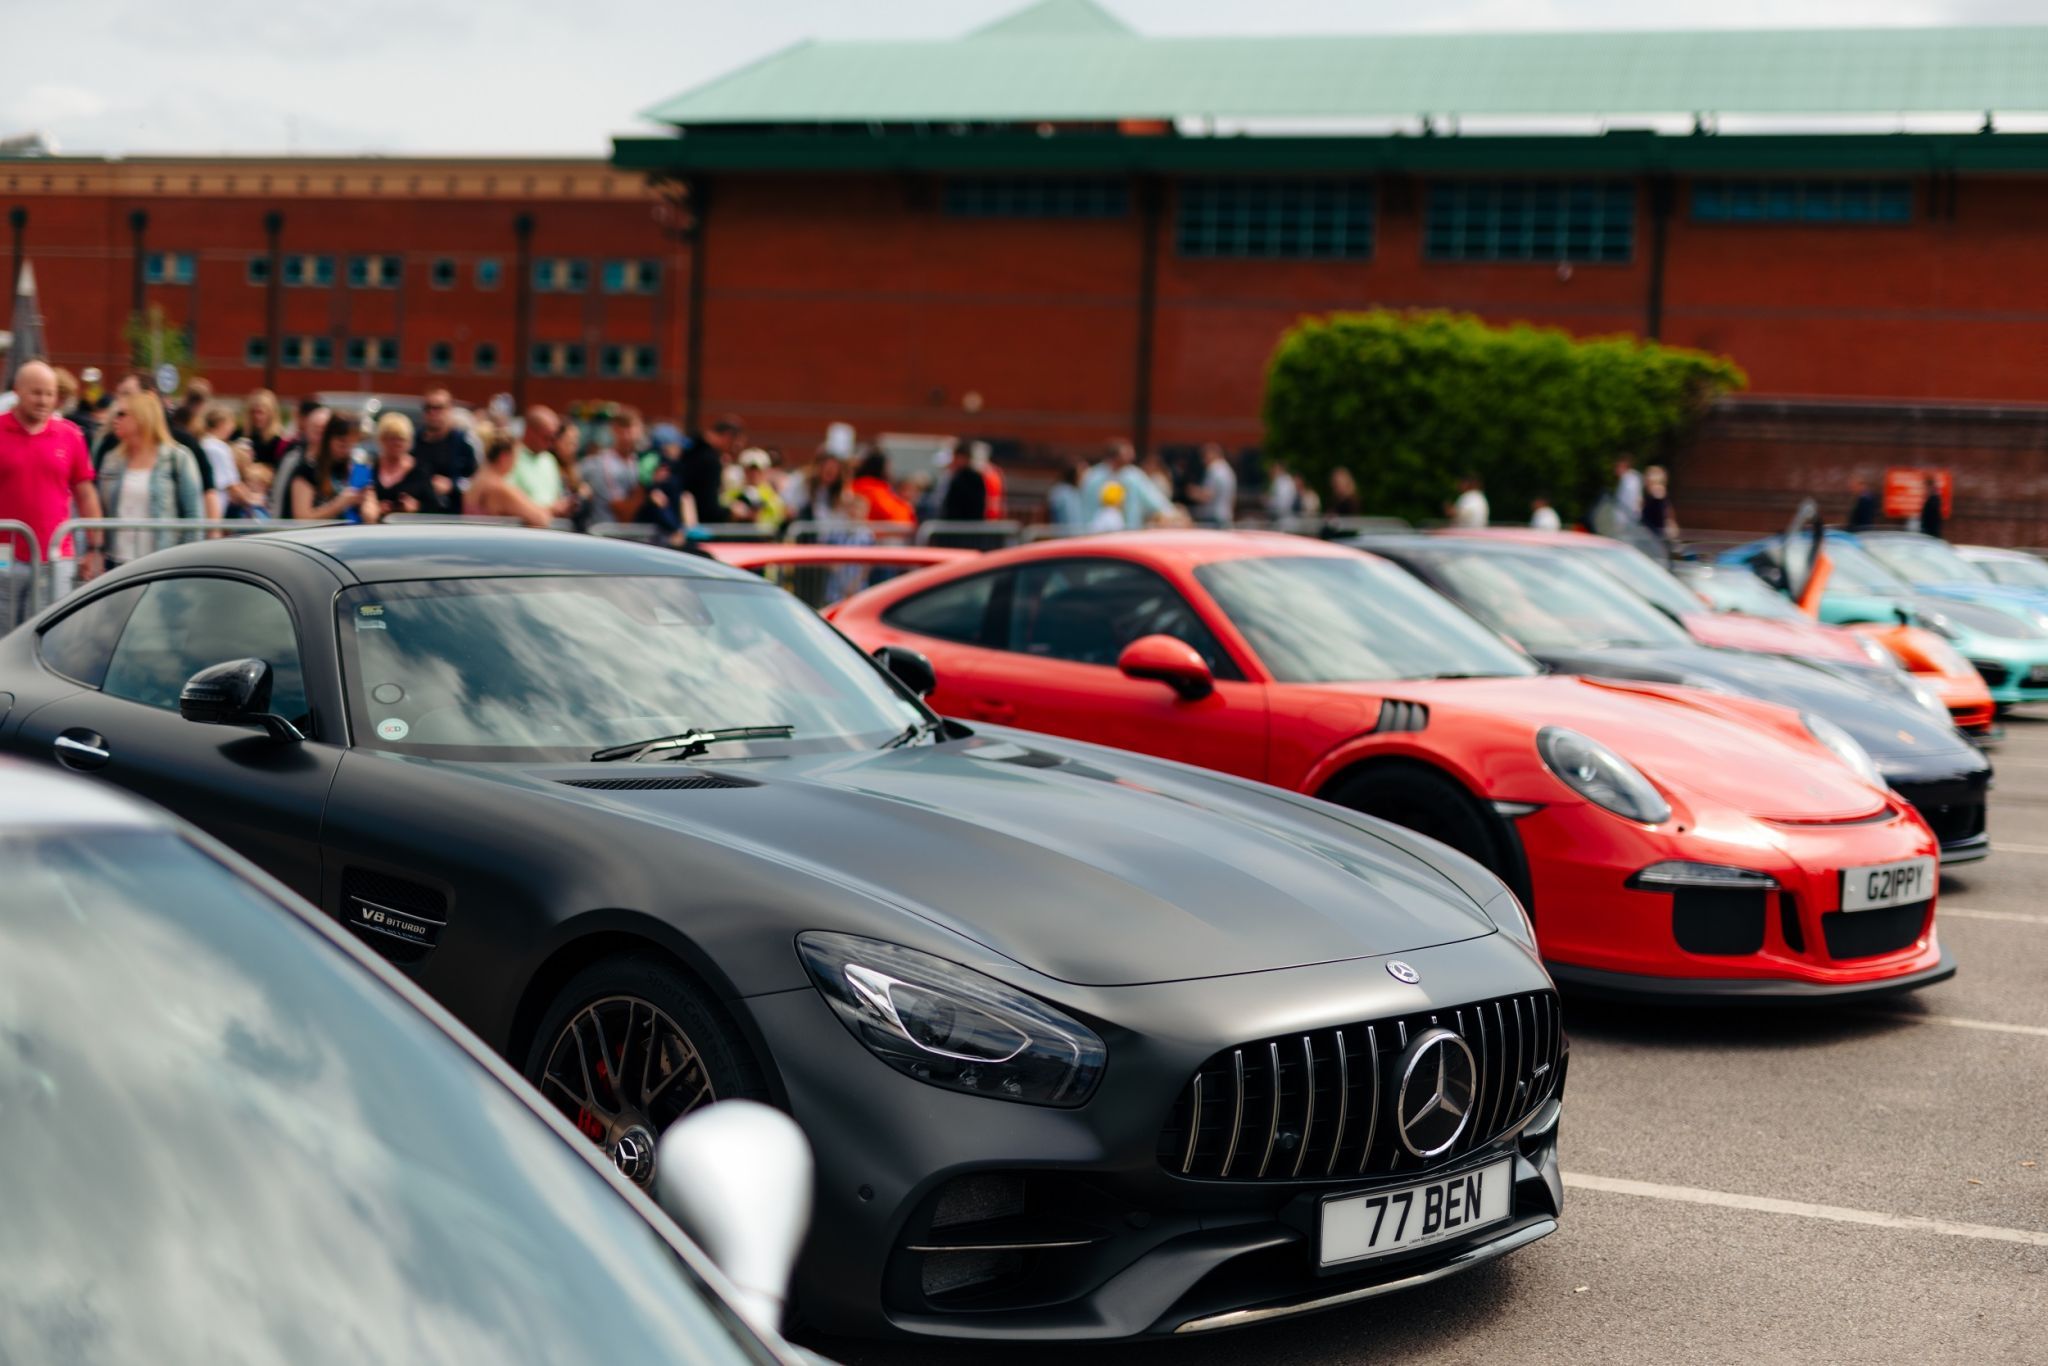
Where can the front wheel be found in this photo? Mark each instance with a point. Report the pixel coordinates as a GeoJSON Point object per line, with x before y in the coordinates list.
{"type": "Point", "coordinates": [629, 1046]}
{"type": "Point", "coordinates": [1429, 804]}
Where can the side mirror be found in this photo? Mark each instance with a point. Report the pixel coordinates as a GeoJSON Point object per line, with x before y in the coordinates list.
{"type": "Point", "coordinates": [910, 668]}
{"type": "Point", "coordinates": [236, 693]}
{"type": "Point", "coordinates": [1170, 661]}
{"type": "Point", "coordinates": [737, 1177]}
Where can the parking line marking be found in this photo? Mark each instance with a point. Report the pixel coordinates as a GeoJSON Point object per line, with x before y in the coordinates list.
{"type": "Point", "coordinates": [1763, 1204]}
{"type": "Point", "coordinates": [1972, 913]}
{"type": "Point", "coordinates": [1957, 1022]}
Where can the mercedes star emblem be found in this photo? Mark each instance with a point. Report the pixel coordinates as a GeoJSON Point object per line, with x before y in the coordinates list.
{"type": "Point", "coordinates": [1401, 972]}
{"type": "Point", "coordinates": [633, 1152]}
{"type": "Point", "coordinates": [1434, 1102]}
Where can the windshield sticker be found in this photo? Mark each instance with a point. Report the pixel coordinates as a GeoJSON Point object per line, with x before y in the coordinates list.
{"type": "Point", "coordinates": [370, 618]}
{"type": "Point", "coordinates": [392, 728]}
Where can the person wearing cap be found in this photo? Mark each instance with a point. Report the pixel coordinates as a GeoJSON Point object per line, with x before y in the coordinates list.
{"type": "Point", "coordinates": [756, 500]}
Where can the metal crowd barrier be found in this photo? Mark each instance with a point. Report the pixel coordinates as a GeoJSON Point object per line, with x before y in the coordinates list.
{"type": "Point", "coordinates": [824, 533]}
{"type": "Point", "coordinates": [19, 577]}
{"type": "Point", "coordinates": [970, 535]}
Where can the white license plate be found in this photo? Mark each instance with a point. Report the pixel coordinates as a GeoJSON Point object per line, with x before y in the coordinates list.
{"type": "Point", "coordinates": [1887, 884]}
{"type": "Point", "coordinates": [1379, 1223]}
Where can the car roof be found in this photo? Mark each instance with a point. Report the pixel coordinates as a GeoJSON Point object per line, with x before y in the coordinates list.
{"type": "Point", "coordinates": [1176, 546]}
{"type": "Point", "coordinates": [1526, 535]}
{"type": "Point", "coordinates": [1393, 543]}
{"type": "Point", "coordinates": [1993, 552]}
{"type": "Point", "coordinates": [42, 800]}
{"type": "Point", "coordinates": [445, 550]}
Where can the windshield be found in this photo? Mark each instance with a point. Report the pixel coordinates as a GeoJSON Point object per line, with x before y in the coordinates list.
{"type": "Point", "coordinates": [2015, 571]}
{"type": "Point", "coordinates": [1317, 619]}
{"type": "Point", "coordinates": [1740, 591]}
{"type": "Point", "coordinates": [225, 1141]}
{"type": "Point", "coordinates": [1853, 570]}
{"type": "Point", "coordinates": [1545, 602]}
{"type": "Point", "coordinates": [1922, 559]}
{"type": "Point", "coordinates": [557, 668]}
{"type": "Point", "coordinates": [1646, 578]}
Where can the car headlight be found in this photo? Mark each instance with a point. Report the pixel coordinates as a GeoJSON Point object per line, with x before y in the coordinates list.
{"type": "Point", "coordinates": [952, 1027]}
{"type": "Point", "coordinates": [1601, 776]}
{"type": "Point", "coordinates": [1512, 919]}
{"type": "Point", "coordinates": [1878, 656]}
{"type": "Point", "coordinates": [1940, 625]}
{"type": "Point", "coordinates": [1844, 747]}
{"type": "Point", "coordinates": [1928, 698]}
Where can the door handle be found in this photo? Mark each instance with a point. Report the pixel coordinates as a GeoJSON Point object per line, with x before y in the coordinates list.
{"type": "Point", "coordinates": [81, 749]}
{"type": "Point", "coordinates": [992, 709]}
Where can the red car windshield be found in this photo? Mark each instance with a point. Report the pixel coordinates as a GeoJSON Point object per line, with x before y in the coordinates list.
{"type": "Point", "coordinates": [1317, 619]}
{"type": "Point", "coordinates": [1546, 602]}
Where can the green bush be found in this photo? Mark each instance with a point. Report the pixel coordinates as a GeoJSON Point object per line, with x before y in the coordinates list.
{"type": "Point", "coordinates": [1410, 401]}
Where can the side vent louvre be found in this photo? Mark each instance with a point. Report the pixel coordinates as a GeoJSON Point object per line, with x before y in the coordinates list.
{"type": "Point", "coordinates": [684, 782]}
{"type": "Point", "coordinates": [1401, 716]}
{"type": "Point", "coordinates": [402, 920]}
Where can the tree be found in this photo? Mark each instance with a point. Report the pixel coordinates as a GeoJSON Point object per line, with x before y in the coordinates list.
{"type": "Point", "coordinates": [153, 341]}
{"type": "Point", "coordinates": [1410, 401]}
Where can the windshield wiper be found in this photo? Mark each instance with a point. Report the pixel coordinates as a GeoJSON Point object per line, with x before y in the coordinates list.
{"type": "Point", "coordinates": [690, 742]}
{"type": "Point", "coordinates": [1457, 673]}
{"type": "Point", "coordinates": [912, 733]}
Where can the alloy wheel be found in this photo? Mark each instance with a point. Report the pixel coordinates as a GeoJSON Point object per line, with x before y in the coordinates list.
{"type": "Point", "coordinates": [623, 1070]}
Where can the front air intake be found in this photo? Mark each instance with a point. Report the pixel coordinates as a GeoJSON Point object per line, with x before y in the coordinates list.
{"type": "Point", "coordinates": [1397, 717]}
{"type": "Point", "coordinates": [1317, 1106]}
{"type": "Point", "coordinates": [680, 782]}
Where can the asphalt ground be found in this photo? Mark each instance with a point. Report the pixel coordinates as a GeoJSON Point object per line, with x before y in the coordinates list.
{"type": "Point", "coordinates": [1824, 1185]}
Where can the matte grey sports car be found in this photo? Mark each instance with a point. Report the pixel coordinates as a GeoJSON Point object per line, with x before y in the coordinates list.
{"type": "Point", "coordinates": [1088, 1044]}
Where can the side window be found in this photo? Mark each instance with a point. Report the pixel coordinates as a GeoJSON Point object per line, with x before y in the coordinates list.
{"type": "Point", "coordinates": [185, 625]}
{"type": "Point", "coordinates": [80, 645]}
{"type": "Point", "coordinates": [955, 611]}
{"type": "Point", "coordinates": [1089, 610]}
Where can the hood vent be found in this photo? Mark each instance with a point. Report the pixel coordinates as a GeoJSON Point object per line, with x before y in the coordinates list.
{"type": "Point", "coordinates": [684, 782]}
{"type": "Point", "coordinates": [1401, 716]}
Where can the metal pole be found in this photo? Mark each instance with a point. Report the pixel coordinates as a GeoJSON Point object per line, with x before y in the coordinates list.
{"type": "Point", "coordinates": [17, 219]}
{"type": "Point", "coordinates": [273, 298]}
{"type": "Point", "coordinates": [693, 374]}
{"type": "Point", "coordinates": [138, 224]}
{"type": "Point", "coordinates": [522, 322]}
{"type": "Point", "coordinates": [1151, 198]}
{"type": "Point", "coordinates": [1663, 195]}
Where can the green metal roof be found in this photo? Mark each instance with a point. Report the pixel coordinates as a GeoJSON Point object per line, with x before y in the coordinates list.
{"type": "Point", "coordinates": [1057, 19]}
{"type": "Point", "coordinates": [1043, 70]}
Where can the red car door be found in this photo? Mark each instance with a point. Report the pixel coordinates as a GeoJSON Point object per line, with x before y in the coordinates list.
{"type": "Point", "coordinates": [1046, 660]}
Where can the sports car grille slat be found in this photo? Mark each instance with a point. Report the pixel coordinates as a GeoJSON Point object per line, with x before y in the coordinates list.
{"type": "Point", "coordinates": [1401, 717]}
{"type": "Point", "coordinates": [1309, 1105]}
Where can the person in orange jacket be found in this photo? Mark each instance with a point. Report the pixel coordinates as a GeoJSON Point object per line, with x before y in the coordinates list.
{"type": "Point", "coordinates": [871, 481]}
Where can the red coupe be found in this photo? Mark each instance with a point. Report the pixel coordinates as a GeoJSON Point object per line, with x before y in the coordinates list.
{"type": "Point", "coordinates": [1664, 839]}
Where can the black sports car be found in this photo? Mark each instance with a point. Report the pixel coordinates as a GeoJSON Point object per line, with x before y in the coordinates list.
{"type": "Point", "coordinates": [1088, 1044]}
{"type": "Point", "coordinates": [1569, 617]}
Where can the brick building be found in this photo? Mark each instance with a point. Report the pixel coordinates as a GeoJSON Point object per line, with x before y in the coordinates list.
{"type": "Point", "coordinates": [1056, 230]}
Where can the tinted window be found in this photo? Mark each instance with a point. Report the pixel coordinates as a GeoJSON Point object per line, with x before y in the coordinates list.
{"type": "Point", "coordinates": [185, 625]}
{"type": "Point", "coordinates": [1546, 602]}
{"type": "Point", "coordinates": [559, 667]}
{"type": "Point", "coordinates": [1089, 610]}
{"type": "Point", "coordinates": [223, 1140]}
{"type": "Point", "coordinates": [953, 611]}
{"type": "Point", "coordinates": [1316, 619]}
{"type": "Point", "coordinates": [79, 645]}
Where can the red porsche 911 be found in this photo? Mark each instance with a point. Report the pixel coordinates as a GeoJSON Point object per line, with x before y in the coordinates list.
{"type": "Point", "coordinates": [1665, 840]}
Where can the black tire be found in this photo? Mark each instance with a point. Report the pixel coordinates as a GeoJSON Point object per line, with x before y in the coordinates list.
{"type": "Point", "coordinates": [674, 1043]}
{"type": "Point", "coordinates": [1428, 803]}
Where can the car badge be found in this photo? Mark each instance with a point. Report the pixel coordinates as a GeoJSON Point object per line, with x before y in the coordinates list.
{"type": "Point", "coordinates": [1401, 972]}
{"type": "Point", "coordinates": [1434, 1103]}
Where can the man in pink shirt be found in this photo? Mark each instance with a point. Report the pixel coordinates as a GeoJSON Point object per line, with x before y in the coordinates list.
{"type": "Point", "coordinates": [44, 466]}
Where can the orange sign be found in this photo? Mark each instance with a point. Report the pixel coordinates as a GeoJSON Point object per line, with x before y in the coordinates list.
{"type": "Point", "coordinates": [1905, 490]}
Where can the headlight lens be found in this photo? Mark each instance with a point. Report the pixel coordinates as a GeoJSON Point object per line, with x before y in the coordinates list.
{"type": "Point", "coordinates": [1844, 747]}
{"type": "Point", "coordinates": [1878, 656]}
{"type": "Point", "coordinates": [1601, 776]}
{"type": "Point", "coordinates": [952, 1027]}
{"type": "Point", "coordinates": [1509, 916]}
{"type": "Point", "coordinates": [1928, 698]}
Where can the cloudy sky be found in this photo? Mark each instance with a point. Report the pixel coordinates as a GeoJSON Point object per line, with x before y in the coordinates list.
{"type": "Point", "coordinates": [558, 76]}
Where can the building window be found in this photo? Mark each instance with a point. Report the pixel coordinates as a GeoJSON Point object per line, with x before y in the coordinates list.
{"type": "Point", "coordinates": [372, 353]}
{"type": "Point", "coordinates": [316, 271]}
{"type": "Point", "coordinates": [168, 267]}
{"type": "Point", "coordinates": [441, 357]}
{"type": "Point", "coordinates": [307, 353]}
{"type": "Point", "coordinates": [443, 274]}
{"type": "Point", "coordinates": [1530, 220]}
{"type": "Point", "coordinates": [561, 275]}
{"type": "Point", "coordinates": [1036, 197]}
{"type": "Point", "coordinates": [1291, 218]}
{"type": "Point", "coordinates": [632, 277]}
{"type": "Point", "coordinates": [255, 352]}
{"type": "Point", "coordinates": [627, 362]}
{"type": "Point", "coordinates": [259, 270]}
{"type": "Point", "coordinates": [557, 358]}
{"type": "Point", "coordinates": [488, 272]}
{"type": "Point", "coordinates": [485, 358]}
{"type": "Point", "coordinates": [375, 272]}
{"type": "Point", "coordinates": [1802, 201]}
